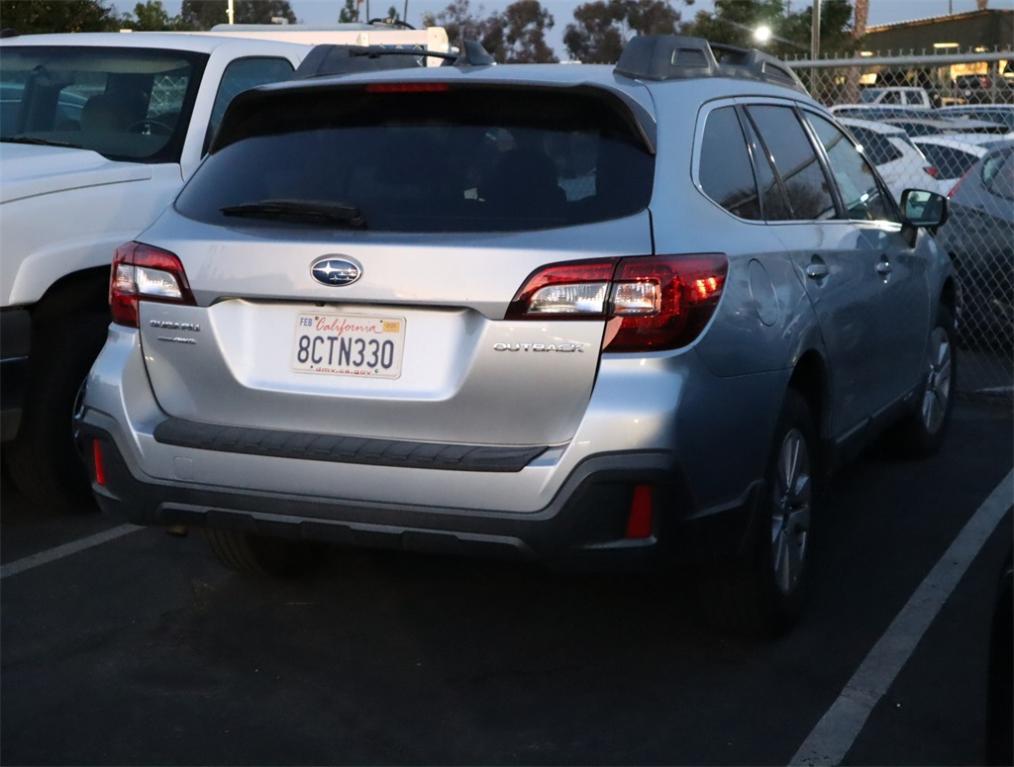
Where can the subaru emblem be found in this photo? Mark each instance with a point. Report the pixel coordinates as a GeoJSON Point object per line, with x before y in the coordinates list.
{"type": "Point", "coordinates": [335, 271]}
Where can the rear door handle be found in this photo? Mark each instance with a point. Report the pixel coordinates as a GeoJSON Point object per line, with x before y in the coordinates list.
{"type": "Point", "coordinates": [884, 267]}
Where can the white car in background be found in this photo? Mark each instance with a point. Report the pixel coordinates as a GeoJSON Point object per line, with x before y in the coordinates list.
{"type": "Point", "coordinates": [900, 162]}
{"type": "Point", "coordinates": [999, 113]}
{"type": "Point", "coordinates": [907, 96]}
{"type": "Point", "coordinates": [951, 156]}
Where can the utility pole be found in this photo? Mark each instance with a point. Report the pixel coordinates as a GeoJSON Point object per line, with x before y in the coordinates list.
{"type": "Point", "coordinates": [815, 32]}
{"type": "Point", "coordinates": [814, 46]}
{"type": "Point", "coordinates": [230, 11]}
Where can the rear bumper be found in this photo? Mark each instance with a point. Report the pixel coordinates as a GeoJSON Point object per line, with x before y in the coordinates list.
{"type": "Point", "coordinates": [584, 525]}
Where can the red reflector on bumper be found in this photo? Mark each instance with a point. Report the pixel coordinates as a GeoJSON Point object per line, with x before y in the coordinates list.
{"type": "Point", "coordinates": [639, 519]}
{"type": "Point", "coordinates": [98, 463]}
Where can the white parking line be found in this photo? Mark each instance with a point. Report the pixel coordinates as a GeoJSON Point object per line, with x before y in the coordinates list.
{"type": "Point", "coordinates": [838, 729]}
{"type": "Point", "coordinates": [65, 550]}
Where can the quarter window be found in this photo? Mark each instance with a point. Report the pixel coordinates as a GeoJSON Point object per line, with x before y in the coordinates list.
{"type": "Point", "coordinates": [795, 162]}
{"type": "Point", "coordinates": [726, 175]}
{"type": "Point", "coordinates": [856, 180]}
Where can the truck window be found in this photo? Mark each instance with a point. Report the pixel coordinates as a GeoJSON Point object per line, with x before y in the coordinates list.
{"type": "Point", "coordinates": [241, 75]}
{"type": "Point", "coordinates": [129, 104]}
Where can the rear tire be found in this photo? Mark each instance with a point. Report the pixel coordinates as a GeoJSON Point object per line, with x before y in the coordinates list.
{"type": "Point", "coordinates": [43, 460]}
{"type": "Point", "coordinates": [920, 433]}
{"type": "Point", "coordinates": [262, 556]}
{"type": "Point", "coordinates": [762, 592]}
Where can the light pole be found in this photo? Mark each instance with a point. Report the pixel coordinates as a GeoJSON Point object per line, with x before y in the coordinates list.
{"type": "Point", "coordinates": [230, 11]}
{"type": "Point", "coordinates": [815, 32]}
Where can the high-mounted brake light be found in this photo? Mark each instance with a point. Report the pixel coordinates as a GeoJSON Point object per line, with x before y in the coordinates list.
{"type": "Point", "coordinates": [407, 88]}
{"type": "Point", "coordinates": [651, 302]}
{"type": "Point", "coordinates": [141, 272]}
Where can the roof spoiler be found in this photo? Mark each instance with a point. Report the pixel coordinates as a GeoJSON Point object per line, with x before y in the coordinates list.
{"type": "Point", "coordinates": [678, 57]}
{"type": "Point", "coordinates": [333, 59]}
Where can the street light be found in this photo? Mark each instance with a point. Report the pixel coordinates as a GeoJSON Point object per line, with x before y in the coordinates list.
{"type": "Point", "coordinates": [762, 34]}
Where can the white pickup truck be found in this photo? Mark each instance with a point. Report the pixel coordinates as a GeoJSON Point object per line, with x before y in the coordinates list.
{"type": "Point", "coordinates": [98, 132]}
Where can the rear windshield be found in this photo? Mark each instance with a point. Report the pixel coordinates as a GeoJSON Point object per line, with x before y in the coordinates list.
{"type": "Point", "coordinates": [129, 104]}
{"type": "Point", "coordinates": [462, 160]}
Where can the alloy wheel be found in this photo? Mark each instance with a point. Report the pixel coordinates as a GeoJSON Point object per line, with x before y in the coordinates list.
{"type": "Point", "coordinates": [938, 381]}
{"type": "Point", "coordinates": [790, 518]}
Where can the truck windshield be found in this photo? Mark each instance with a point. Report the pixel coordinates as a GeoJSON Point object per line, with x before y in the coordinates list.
{"type": "Point", "coordinates": [474, 159]}
{"type": "Point", "coordinates": [128, 104]}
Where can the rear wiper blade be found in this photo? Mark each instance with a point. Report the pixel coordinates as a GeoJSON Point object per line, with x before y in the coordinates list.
{"type": "Point", "coordinates": [37, 140]}
{"type": "Point", "coordinates": [300, 210]}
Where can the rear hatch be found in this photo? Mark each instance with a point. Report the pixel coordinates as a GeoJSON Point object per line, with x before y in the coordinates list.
{"type": "Point", "coordinates": [353, 254]}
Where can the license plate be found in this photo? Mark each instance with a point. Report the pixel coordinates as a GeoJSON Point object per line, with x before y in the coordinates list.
{"type": "Point", "coordinates": [349, 345]}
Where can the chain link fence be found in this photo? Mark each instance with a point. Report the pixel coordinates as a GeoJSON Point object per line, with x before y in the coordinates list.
{"type": "Point", "coordinates": [945, 122]}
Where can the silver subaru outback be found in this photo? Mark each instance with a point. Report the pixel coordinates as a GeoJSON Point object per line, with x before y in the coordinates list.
{"type": "Point", "coordinates": [578, 313]}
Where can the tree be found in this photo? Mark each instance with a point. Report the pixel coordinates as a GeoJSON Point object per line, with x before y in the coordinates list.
{"type": "Point", "coordinates": [204, 14]}
{"type": "Point", "coordinates": [527, 22]}
{"type": "Point", "coordinates": [150, 16]}
{"type": "Point", "coordinates": [733, 21]}
{"type": "Point", "coordinates": [601, 28]}
{"type": "Point", "coordinates": [459, 21]}
{"type": "Point", "coordinates": [33, 16]}
{"type": "Point", "coordinates": [518, 35]}
{"type": "Point", "coordinates": [349, 13]}
{"type": "Point", "coordinates": [264, 11]}
{"type": "Point", "coordinates": [835, 28]}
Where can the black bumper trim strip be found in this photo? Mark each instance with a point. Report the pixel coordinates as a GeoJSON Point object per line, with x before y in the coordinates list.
{"type": "Point", "coordinates": [338, 449]}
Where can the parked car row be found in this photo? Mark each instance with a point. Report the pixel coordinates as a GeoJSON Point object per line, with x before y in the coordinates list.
{"type": "Point", "coordinates": [967, 162]}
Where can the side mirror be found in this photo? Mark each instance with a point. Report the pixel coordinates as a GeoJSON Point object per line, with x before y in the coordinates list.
{"type": "Point", "coordinates": [922, 210]}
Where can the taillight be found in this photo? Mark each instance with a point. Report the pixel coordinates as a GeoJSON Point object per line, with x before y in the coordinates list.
{"type": "Point", "coordinates": [576, 290]}
{"type": "Point", "coordinates": [932, 170]}
{"type": "Point", "coordinates": [960, 181]}
{"type": "Point", "coordinates": [650, 302]}
{"type": "Point", "coordinates": [141, 272]}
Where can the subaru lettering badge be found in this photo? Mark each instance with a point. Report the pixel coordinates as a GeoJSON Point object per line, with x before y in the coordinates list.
{"type": "Point", "coordinates": [335, 270]}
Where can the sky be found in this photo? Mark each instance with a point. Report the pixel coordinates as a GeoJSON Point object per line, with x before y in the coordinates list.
{"type": "Point", "coordinates": [326, 11]}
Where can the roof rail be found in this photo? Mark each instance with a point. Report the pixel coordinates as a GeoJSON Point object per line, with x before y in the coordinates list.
{"type": "Point", "coordinates": [331, 59]}
{"type": "Point", "coordinates": [678, 57]}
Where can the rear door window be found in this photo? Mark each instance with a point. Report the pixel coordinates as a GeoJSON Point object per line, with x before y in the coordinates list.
{"type": "Point", "coordinates": [725, 172]}
{"type": "Point", "coordinates": [795, 162]}
{"type": "Point", "coordinates": [442, 160]}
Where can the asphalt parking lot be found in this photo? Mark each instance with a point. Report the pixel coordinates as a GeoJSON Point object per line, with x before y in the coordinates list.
{"type": "Point", "coordinates": [142, 650]}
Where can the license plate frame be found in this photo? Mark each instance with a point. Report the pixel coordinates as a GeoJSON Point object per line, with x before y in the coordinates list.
{"type": "Point", "coordinates": [348, 345]}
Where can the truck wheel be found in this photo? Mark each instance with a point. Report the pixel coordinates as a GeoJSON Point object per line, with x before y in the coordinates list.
{"type": "Point", "coordinates": [922, 431]}
{"type": "Point", "coordinates": [762, 592]}
{"type": "Point", "coordinates": [43, 460]}
{"type": "Point", "coordinates": [257, 555]}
